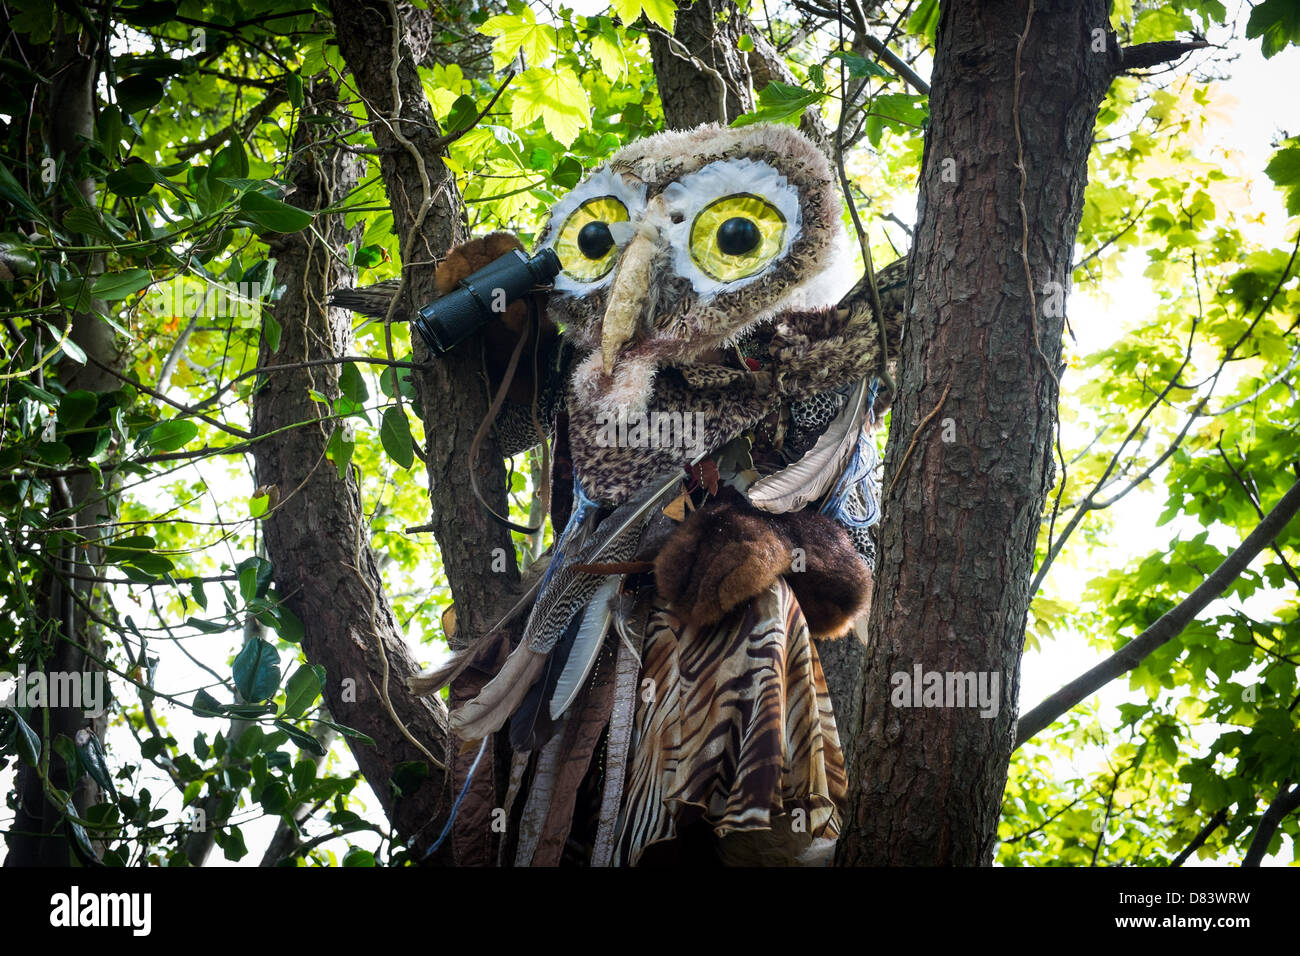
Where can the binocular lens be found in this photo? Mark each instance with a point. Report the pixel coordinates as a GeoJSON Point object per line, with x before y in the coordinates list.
{"type": "Point", "coordinates": [446, 322]}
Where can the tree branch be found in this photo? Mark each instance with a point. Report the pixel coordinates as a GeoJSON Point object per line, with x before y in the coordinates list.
{"type": "Point", "coordinates": [1216, 821]}
{"type": "Point", "coordinates": [1169, 626]}
{"type": "Point", "coordinates": [1287, 801]}
{"type": "Point", "coordinates": [1153, 54]}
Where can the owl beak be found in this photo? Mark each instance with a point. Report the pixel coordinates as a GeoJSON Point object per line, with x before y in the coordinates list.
{"type": "Point", "coordinates": [628, 294]}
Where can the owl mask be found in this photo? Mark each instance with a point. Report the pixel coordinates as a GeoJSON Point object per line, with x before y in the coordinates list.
{"type": "Point", "coordinates": [684, 240]}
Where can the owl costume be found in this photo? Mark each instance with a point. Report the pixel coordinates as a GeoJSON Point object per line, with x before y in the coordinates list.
{"type": "Point", "coordinates": [709, 402]}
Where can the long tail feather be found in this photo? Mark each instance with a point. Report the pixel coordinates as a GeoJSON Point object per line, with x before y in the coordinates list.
{"type": "Point", "coordinates": [586, 647]}
{"type": "Point", "coordinates": [500, 697]}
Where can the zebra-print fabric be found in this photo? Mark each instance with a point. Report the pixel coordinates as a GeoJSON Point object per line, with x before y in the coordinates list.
{"type": "Point", "coordinates": [733, 727]}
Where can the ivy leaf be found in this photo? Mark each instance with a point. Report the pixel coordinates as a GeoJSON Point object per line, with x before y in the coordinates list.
{"type": "Point", "coordinates": [395, 436]}
{"type": "Point", "coordinates": [257, 671]}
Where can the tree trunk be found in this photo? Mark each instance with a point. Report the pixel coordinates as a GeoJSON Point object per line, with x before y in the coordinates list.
{"type": "Point", "coordinates": [962, 507]}
{"type": "Point", "coordinates": [691, 95]}
{"type": "Point", "coordinates": [478, 555]}
{"type": "Point", "coordinates": [37, 837]}
{"type": "Point", "coordinates": [317, 537]}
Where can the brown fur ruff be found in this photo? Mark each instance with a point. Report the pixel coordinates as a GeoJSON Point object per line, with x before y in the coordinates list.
{"type": "Point", "coordinates": [728, 552]}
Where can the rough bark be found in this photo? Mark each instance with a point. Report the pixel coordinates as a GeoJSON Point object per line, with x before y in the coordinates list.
{"type": "Point", "coordinates": [477, 554]}
{"type": "Point", "coordinates": [691, 95]}
{"type": "Point", "coordinates": [453, 389]}
{"type": "Point", "coordinates": [38, 838]}
{"type": "Point", "coordinates": [317, 537]}
{"type": "Point", "coordinates": [961, 517]}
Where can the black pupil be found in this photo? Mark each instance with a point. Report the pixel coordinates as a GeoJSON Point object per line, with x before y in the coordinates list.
{"type": "Point", "coordinates": [738, 236]}
{"type": "Point", "coordinates": [594, 240]}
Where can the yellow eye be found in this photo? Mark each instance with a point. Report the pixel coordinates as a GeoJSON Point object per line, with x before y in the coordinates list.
{"type": "Point", "coordinates": [736, 236]}
{"type": "Point", "coordinates": [584, 244]}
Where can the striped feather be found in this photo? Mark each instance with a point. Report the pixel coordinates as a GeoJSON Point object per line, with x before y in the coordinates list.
{"type": "Point", "coordinates": [586, 646]}
{"type": "Point", "coordinates": [791, 488]}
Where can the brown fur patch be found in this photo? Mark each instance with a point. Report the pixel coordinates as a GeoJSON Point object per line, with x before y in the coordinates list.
{"type": "Point", "coordinates": [728, 552]}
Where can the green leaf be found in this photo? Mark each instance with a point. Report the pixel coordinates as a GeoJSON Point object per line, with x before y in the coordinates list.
{"type": "Point", "coordinates": [1284, 170]}
{"type": "Point", "coordinates": [207, 627]}
{"type": "Point", "coordinates": [14, 193]}
{"type": "Point", "coordinates": [462, 114]}
{"type": "Point", "coordinates": [134, 179]}
{"type": "Point", "coordinates": [568, 172]}
{"type": "Point", "coordinates": [77, 830]}
{"type": "Point", "coordinates": [1277, 23]}
{"type": "Point", "coordinates": [303, 689]}
{"type": "Point", "coordinates": [859, 66]}
{"type": "Point", "coordinates": [339, 450]}
{"type": "Point", "coordinates": [779, 103]}
{"type": "Point", "coordinates": [254, 577]}
{"type": "Point", "coordinates": [76, 408]}
{"type": "Point", "coordinates": [358, 857]}
{"type": "Point", "coordinates": [662, 12]}
{"type": "Point", "coordinates": [275, 797]}
{"type": "Point", "coordinates": [349, 732]}
{"type": "Point", "coordinates": [272, 214]}
{"type": "Point", "coordinates": [303, 739]}
{"type": "Point", "coordinates": [90, 752]}
{"type": "Point", "coordinates": [205, 705]}
{"type": "Point", "coordinates": [230, 162]}
{"type": "Point", "coordinates": [170, 436]}
{"type": "Point", "coordinates": [556, 97]}
{"type": "Point", "coordinates": [395, 435]}
{"type": "Point", "coordinates": [271, 331]}
{"type": "Point", "coordinates": [513, 32]}
{"type": "Point", "coordinates": [353, 384]}
{"type": "Point", "coordinates": [257, 671]}
{"type": "Point", "coordinates": [258, 505]}
{"type": "Point", "coordinates": [138, 93]}
{"type": "Point", "coordinates": [293, 84]}
{"type": "Point", "coordinates": [288, 625]}
{"type": "Point", "coordinates": [28, 743]}
{"type": "Point", "coordinates": [115, 286]}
